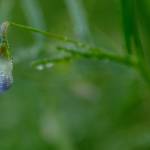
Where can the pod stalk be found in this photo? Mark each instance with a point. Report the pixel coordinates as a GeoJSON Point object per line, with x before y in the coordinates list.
{"type": "Point", "coordinates": [4, 47]}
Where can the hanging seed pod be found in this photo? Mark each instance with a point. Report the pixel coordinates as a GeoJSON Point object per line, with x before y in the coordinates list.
{"type": "Point", "coordinates": [6, 65]}
{"type": "Point", "coordinates": [6, 78]}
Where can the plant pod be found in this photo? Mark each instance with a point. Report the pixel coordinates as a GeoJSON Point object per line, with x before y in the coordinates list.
{"type": "Point", "coordinates": [6, 65]}
{"type": "Point", "coordinates": [6, 78]}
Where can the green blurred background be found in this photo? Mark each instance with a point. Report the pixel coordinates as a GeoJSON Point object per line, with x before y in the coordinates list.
{"type": "Point", "coordinates": [80, 105]}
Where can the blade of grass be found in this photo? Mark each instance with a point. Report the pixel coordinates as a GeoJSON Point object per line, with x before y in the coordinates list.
{"type": "Point", "coordinates": [130, 25]}
{"type": "Point", "coordinates": [136, 34]}
{"type": "Point", "coordinates": [79, 19]}
{"type": "Point", "coordinates": [95, 52]}
{"type": "Point", "coordinates": [92, 52]}
{"type": "Point", "coordinates": [143, 10]}
{"type": "Point", "coordinates": [131, 31]}
{"type": "Point", "coordinates": [34, 16]}
{"type": "Point", "coordinates": [127, 13]}
{"type": "Point", "coordinates": [143, 66]}
{"type": "Point", "coordinates": [50, 35]}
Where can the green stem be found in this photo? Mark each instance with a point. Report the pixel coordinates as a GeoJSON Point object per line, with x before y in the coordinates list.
{"type": "Point", "coordinates": [127, 13]}
{"type": "Point", "coordinates": [100, 55]}
{"type": "Point", "coordinates": [93, 53]}
{"type": "Point", "coordinates": [50, 35]}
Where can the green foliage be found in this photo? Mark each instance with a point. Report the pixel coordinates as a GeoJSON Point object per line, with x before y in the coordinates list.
{"type": "Point", "coordinates": [86, 51]}
{"type": "Point", "coordinates": [77, 92]}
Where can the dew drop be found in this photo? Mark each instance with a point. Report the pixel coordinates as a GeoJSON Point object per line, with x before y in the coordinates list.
{"type": "Point", "coordinates": [40, 67]}
{"type": "Point", "coordinates": [49, 65]}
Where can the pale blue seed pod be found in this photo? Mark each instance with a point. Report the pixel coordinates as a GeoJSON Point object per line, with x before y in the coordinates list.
{"type": "Point", "coordinates": [6, 78]}
{"type": "Point", "coordinates": [6, 65]}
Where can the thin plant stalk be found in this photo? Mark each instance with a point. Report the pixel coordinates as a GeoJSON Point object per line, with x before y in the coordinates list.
{"type": "Point", "coordinates": [95, 53]}
{"type": "Point", "coordinates": [79, 18]}
{"type": "Point", "coordinates": [50, 35]}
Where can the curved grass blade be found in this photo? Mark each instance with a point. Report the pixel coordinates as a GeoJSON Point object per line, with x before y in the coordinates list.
{"type": "Point", "coordinates": [79, 19]}
{"type": "Point", "coordinates": [130, 25]}
{"type": "Point", "coordinates": [34, 16]}
{"type": "Point", "coordinates": [127, 14]}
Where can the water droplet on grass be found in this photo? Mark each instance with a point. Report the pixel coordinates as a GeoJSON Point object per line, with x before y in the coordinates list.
{"type": "Point", "coordinates": [40, 67]}
{"type": "Point", "coordinates": [49, 65]}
